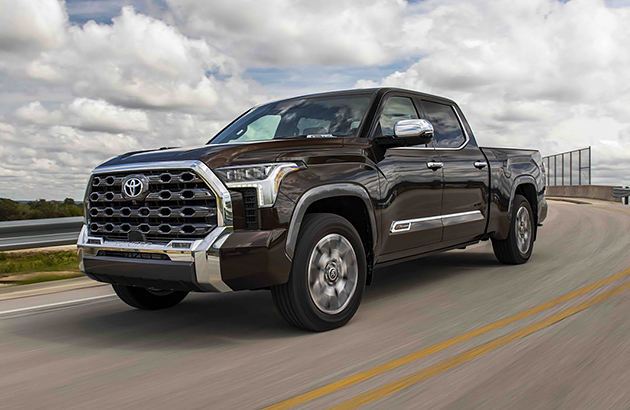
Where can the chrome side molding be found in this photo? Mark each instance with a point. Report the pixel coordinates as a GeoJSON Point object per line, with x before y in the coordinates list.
{"type": "Point", "coordinates": [432, 222]}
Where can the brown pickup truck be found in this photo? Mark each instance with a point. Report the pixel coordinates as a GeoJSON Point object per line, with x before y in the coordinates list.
{"type": "Point", "coordinates": [306, 197]}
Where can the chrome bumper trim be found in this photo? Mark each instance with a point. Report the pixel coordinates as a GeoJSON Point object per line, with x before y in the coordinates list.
{"type": "Point", "coordinates": [203, 252]}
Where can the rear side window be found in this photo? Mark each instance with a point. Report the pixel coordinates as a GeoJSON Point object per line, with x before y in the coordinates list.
{"type": "Point", "coordinates": [394, 110]}
{"type": "Point", "coordinates": [448, 131]}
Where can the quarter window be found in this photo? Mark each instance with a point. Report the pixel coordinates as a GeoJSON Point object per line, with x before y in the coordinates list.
{"type": "Point", "coordinates": [447, 129]}
{"type": "Point", "coordinates": [394, 110]}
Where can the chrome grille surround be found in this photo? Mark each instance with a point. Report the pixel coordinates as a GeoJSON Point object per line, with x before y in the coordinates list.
{"type": "Point", "coordinates": [176, 204]}
{"type": "Point", "coordinates": [204, 252]}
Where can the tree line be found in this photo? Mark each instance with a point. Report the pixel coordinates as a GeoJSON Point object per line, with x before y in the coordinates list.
{"type": "Point", "coordinates": [40, 209]}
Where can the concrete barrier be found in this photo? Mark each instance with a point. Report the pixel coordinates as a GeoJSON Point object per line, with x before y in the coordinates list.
{"type": "Point", "coordinates": [603, 192]}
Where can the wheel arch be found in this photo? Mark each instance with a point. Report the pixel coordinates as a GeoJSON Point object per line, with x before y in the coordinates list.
{"type": "Point", "coordinates": [526, 186]}
{"type": "Point", "coordinates": [338, 198]}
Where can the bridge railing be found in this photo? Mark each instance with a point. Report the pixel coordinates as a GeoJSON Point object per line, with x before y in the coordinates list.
{"type": "Point", "coordinates": [569, 168]}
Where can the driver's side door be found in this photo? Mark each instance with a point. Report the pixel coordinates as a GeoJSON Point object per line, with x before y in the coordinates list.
{"type": "Point", "coordinates": [411, 187]}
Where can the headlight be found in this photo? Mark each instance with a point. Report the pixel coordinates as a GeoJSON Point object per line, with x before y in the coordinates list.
{"type": "Point", "coordinates": [266, 178]}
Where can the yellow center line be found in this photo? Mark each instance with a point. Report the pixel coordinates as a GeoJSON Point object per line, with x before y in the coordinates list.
{"type": "Point", "coordinates": [429, 350]}
{"type": "Point", "coordinates": [415, 378]}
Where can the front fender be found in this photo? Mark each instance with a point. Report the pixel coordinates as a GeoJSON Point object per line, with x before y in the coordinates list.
{"type": "Point", "coordinates": [322, 192]}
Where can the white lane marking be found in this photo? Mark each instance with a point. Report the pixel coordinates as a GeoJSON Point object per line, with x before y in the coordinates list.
{"type": "Point", "coordinates": [50, 305]}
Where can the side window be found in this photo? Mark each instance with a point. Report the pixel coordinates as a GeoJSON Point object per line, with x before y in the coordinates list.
{"type": "Point", "coordinates": [394, 110]}
{"type": "Point", "coordinates": [261, 129]}
{"type": "Point", "coordinates": [448, 131]}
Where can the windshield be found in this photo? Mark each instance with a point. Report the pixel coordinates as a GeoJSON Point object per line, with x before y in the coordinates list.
{"type": "Point", "coordinates": [315, 116]}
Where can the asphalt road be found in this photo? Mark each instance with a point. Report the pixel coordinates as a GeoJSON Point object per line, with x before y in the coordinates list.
{"type": "Point", "coordinates": [436, 333]}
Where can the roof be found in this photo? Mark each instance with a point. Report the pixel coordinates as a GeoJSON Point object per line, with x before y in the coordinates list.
{"type": "Point", "coordinates": [377, 90]}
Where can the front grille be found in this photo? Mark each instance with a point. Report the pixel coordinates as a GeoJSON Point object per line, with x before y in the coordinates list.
{"type": "Point", "coordinates": [134, 255]}
{"type": "Point", "coordinates": [177, 205]}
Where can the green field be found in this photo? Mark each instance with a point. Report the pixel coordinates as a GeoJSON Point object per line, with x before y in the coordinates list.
{"type": "Point", "coordinates": [20, 268]}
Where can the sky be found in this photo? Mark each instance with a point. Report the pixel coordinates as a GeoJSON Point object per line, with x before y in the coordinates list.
{"type": "Point", "coordinates": [82, 81]}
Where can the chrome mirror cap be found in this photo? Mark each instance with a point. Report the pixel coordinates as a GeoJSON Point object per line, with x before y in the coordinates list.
{"type": "Point", "coordinates": [413, 128]}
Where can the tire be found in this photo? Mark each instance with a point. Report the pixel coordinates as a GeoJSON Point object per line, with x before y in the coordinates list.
{"type": "Point", "coordinates": [517, 248]}
{"type": "Point", "coordinates": [329, 241]}
{"type": "Point", "coordinates": [146, 299]}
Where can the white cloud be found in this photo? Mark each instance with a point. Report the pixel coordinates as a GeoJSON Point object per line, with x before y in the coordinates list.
{"type": "Point", "coordinates": [140, 62]}
{"type": "Point", "coordinates": [540, 74]}
{"type": "Point", "coordinates": [136, 83]}
{"type": "Point", "coordinates": [32, 25]}
{"type": "Point", "coordinates": [298, 32]}
{"type": "Point", "coordinates": [36, 113]}
{"type": "Point", "coordinates": [98, 115]}
{"type": "Point", "coordinates": [54, 162]}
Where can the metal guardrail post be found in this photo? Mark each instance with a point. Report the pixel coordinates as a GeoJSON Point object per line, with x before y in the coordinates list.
{"type": "Point", "coordinates": [580, 168]}
{"type": "Point", "coordinates": [623, 193]}
{"type": "Point", "coordinates": [589, 165]}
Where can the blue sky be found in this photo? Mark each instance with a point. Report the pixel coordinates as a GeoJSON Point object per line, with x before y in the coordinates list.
{"type": "Point", "coordinates": [102, 11]}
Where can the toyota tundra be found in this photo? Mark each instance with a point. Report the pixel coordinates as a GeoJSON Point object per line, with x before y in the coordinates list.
{"type": "Point", "coordinates": [305, 197]}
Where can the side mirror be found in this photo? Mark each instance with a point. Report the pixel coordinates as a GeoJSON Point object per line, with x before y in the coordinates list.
{"type": "Point", "coordinates": [408, 133]}
{"type": "Point", "coordinates": [418, 129]}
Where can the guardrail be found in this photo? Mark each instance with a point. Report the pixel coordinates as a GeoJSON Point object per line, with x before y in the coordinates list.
{"type": "Point", "coordinates": [619, 192]}
{"type": "Point", "coordinates": [39, 233]}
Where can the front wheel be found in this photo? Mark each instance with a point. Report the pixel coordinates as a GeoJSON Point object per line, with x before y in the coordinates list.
{"type": "Point", "coordinates": [148, 299]}
{"type": "Point", "coordinates": [517, 247]}
{"type": "Point", "coordinates": [328, 275]}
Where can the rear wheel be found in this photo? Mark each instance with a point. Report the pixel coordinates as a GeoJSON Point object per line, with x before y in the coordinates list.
{"type": "Point", "coordinates": [148, 299]}
{"type": "Point", "coordinates": [517, 247]}
{"type": "Point", "coordinates": [328, 275]}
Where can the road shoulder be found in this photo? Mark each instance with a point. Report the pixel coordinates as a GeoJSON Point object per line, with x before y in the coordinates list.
{"type": "Point", "coordinates": [45, 288]}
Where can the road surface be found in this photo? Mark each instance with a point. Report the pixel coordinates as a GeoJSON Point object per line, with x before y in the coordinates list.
{"type": "Point", "coordinates": [451, 331]}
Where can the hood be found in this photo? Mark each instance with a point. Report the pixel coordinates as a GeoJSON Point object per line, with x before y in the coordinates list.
{"type": "Point", "coordinates": [220, 155]}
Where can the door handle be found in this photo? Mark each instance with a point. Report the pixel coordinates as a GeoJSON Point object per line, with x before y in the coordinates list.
{"type": "Point", "coordinates": [434, 165]}
{"type": "Point", "coordinates": [480, 164]}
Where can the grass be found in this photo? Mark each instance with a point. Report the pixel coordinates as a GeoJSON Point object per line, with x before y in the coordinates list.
{"type": "Point", "coordinates": [21, 268]}
{"type": "Point", "coordinates": [43, 261]}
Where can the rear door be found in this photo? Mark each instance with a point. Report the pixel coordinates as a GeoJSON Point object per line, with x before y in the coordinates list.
{"type": "Point", "coordinates": [413, 191]}
{"type": "Point", "coordinates": [466, 174]}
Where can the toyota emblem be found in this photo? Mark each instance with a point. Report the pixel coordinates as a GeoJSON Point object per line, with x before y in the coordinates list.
{"type": "Point", "coordinates": [135, 187]}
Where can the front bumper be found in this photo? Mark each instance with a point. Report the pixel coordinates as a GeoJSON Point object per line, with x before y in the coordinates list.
{"type": "Point", "coordinates": [223, 261]}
